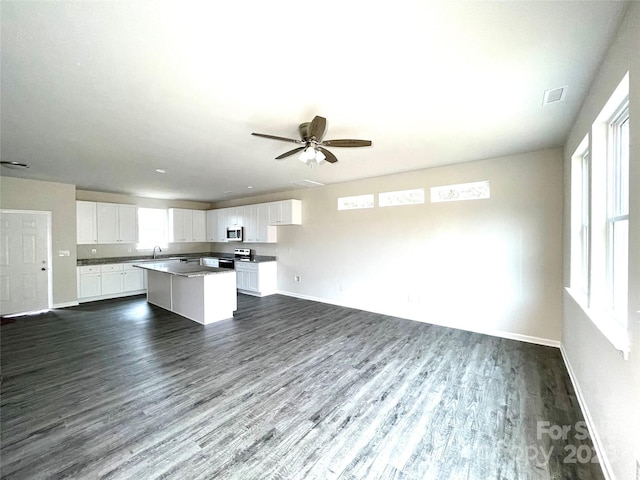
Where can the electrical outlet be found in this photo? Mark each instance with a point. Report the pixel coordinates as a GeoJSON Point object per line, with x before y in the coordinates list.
{"type": "Point", "coordinates": [296, 278]}
{"type": "Point", "coordinates": [93, 250]}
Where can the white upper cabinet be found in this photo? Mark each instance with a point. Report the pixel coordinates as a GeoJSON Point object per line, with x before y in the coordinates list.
{"type": "Point", "coordinates": [199, 226]}
{"type": "Point", "coordinates": [87, 226]}
{"type": "Point", "coordinates": [117, 223]}
{"type": "Point", "coordinates": [187, 225]}
{"type": "Point", "coordinates": [250, 223]}
{"type": "Point", "coordinates": [265, 233]}
{"type": "Point", "coordinates": [128, 223]}
{"type": "Point", "coordinates": [177, 232]}
{"type": "Point", "coordinates": [235, 216]}
{"type": "Point", "coordinates": [259, 221]}
{"type": "Point", "coordinates": [212, 225]}
{"type": "Point", "coordinates": [223, 223]}
{"type": "Point", "coordinates": [107, 223]}
{"type": "Point", "coordinates": [285, 212]}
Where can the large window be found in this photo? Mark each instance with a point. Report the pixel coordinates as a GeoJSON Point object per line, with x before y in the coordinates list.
{"type": "Point", "coordinates": [600, 219]}
{"type": "Point", "coordinates": [581, 220]}
{"type": "Point", "coordinates": [153, 228]}
{"type": "Point", "coordinates": [617, 226]}
{"type": "Point", "coordinates": [585, 221]}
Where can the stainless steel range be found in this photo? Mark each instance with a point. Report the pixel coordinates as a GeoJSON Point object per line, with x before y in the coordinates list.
{"type": "Point", "coordinates": [242, 254]}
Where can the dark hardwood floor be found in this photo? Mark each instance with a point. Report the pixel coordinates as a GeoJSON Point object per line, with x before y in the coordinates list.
{"type": "Point", "coordinates": [288, 389]}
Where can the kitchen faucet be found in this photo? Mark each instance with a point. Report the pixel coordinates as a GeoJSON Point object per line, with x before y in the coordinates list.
{"type": "Point", "coordinates": [154, 251]}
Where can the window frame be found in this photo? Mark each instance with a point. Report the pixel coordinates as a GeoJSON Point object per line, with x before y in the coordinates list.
{"type": "Point", "coordinates": [605, 303]}
{"type": "Point", "coordinates": [585, 223]}
{"type": "Point", "coordinates": [617, 213]}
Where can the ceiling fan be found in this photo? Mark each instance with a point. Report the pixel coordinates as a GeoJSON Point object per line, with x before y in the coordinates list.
{"type": "Point", "coordinates": [313, 150]}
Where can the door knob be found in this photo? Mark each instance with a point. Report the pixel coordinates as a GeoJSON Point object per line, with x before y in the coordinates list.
{"type": "Point", "coordinates": [43, 269]}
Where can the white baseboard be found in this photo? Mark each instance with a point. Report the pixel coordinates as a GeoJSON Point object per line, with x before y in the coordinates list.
{"type": "Point", "coordinates": [311, 297]}
{"type": "Point", "coordinates": [593, 432]}
{"type": "Point", "coordinates": [494, 333]}
{"type": "Point", "coordinates": [65, 305]}
{"type": "Point", "coordinates": [547, 342]}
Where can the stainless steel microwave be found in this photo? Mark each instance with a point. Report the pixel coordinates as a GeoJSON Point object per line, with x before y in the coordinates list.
{"type": "Point", "coordinates": [234, 234]}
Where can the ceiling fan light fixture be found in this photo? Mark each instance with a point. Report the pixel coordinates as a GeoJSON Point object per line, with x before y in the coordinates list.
{"type": "Point", "coordinates": [308, 155]}
{"type": "Point", "coordinates": [312, 144]}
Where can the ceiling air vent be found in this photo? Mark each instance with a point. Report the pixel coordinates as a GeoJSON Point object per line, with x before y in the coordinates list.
{"type": "Point", "coordinates": [554, 95]}
{"type": "Point", "coordinates": [308, 183]}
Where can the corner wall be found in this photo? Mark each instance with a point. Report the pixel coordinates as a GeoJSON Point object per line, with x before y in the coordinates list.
{"type": "Point", "coordinates": [609, 385]}
{"type": "Point", "coordinates": [491, 266]}
{"type": "Point", "coordinates": [60, 199]}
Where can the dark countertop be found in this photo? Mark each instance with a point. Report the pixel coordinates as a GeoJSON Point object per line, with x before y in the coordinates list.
{"type": "Point", "coordinates": [82, 262]}
{"type": "Point", "coordinates": [183, 269]}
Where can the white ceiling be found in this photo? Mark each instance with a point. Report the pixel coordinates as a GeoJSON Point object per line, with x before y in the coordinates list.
{"type": "Point", "coordinates": [100, 94]}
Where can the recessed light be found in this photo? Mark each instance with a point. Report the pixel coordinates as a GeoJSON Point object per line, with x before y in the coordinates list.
{"type": "Point", "coordinates": [249, 186]}
{"type": "Point", "coordinates": [228, 191]}
{"type": "Point", "coordinates": [161, 170]}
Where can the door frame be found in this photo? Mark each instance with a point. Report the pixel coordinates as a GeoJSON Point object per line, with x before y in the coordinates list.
{"type": "Point", "coordinates": [48, 214]}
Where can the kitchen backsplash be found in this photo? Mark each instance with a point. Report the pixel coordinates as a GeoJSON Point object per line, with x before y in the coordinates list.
{"type": "Point", "coordinates": [108, 251]}
{"type": "Point", "coordinates": [115, 250]}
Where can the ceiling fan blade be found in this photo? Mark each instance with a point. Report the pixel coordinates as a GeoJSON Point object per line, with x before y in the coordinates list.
{"type": "Point", "coordinates": [330, 157]}
{"type": "Point", "coordinates": [290, 152]}
{"type": "Point", "coordinates": [317, 127]}
{"type": "Point", "coordinates": [346, 143]}
{"type": "Point", "coordinates": [273, 137]}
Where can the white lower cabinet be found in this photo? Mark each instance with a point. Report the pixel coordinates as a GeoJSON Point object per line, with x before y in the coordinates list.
{"type": "Point", "coordinates": [210, 262]}
{"type": "Point", "coordinates": [258, 279]}
{"type": "Point", "coordinates": [111, 283]}
{"type": "Point", "coordinates": [89, 284]}
{"type": "Point", "coordinates": [133, 279]}
{"type": "Point", "coordinates": [99, 282]}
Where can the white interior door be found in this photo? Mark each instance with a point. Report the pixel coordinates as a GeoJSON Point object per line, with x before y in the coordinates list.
{"type": "Point", "coordinates": [24, 260]}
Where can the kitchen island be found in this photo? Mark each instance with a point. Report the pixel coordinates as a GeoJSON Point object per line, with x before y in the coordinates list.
{"type": "Point", "coordinates": [199, 293]}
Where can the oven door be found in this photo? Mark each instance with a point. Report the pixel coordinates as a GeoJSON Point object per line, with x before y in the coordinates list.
{"type": "Point", "coordinates": [225, 263]}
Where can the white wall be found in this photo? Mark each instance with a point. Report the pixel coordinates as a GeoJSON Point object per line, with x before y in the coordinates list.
{"type": "Point", "coordinates": [490, 265]}
{"type": "Point", "coordinates": [608, 384]}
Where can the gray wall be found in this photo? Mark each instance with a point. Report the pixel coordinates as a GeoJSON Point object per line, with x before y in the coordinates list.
{"type": "Point", "coordinates": [60, 200]}
{"type": "Point", "coordinates": [492, 266]}
{"type": "Point", "coordinates": [609, 385]}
